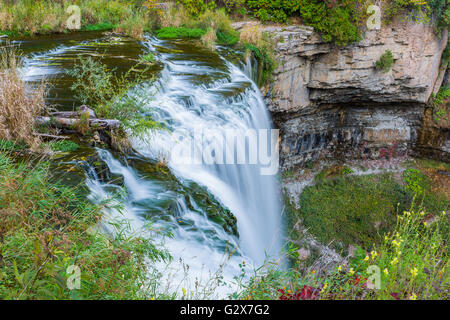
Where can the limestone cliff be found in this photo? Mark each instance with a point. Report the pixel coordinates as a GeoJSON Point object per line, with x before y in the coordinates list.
{"type": "Point", "coordinates": [332, 101]}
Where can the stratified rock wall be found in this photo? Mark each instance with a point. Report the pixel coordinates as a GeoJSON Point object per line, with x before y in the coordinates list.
{"type": "Point", "coordinates": [332, 101]}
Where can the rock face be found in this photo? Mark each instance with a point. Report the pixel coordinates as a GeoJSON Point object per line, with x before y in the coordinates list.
{"type": "Point", "coordinates": [332, 101]}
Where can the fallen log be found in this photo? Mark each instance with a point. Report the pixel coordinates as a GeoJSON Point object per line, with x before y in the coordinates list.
{"type": "Point", "coordinates": [82, 110]}
{"type": "Point", "coordinates": [70, 123]}
{"type": "Point", "coordinates": [51, 136]}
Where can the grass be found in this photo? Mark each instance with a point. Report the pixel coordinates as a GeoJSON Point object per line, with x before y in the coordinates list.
{"type": "Point", "coordinates": [64, 146]}
{"type": "Point", "coordinates": [409, 262]}
{"type": "Point", "coordinates": [179, 33]}
{"type": "Point", "coordinates": [406, 253]}
{"type": "Point", "coordinates": [352, 210]}
{"type": "Point", "coordinates": [104, 26]}
{"type": "Point", "coordinates": [47, 227]}
{"type": "Point", "coordinates": [19, 106]}
{"type": "Point", "coordinates": [28, 17]}
{"type": "Point", "coordinates": [357, 210]}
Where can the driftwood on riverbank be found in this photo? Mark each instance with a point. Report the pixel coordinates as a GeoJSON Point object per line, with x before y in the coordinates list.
{"type": "Point", "coordinates": [70, 120]}
{"type": "Point", "coordinates": [70, 123]}
{"type": "Point", "coordinates": [87, 126]}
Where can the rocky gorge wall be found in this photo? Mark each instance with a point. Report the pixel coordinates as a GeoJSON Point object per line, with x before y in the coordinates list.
{"type": "Point", "coordinates": [331, 101]}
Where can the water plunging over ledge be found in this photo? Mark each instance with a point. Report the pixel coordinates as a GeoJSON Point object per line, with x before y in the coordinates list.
{"type": "Point", "coordinates": [196, 90]}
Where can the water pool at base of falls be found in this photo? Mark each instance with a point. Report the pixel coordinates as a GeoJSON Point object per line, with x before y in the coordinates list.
{"type": "Point", "coordinates": [217, 215]}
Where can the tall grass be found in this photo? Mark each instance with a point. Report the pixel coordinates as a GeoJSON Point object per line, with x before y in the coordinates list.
{"type": "Point", "coordinates": [40, 17]}
{"type": "Point", "coordinates": [45, 227]}
{"type": "Point", "coordinates": [412, 263]}
{"type": "Point", "coordinates": [19, 103]}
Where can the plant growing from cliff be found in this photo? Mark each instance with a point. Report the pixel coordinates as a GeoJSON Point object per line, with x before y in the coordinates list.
{"type": "Point", "coordinates": [440, 103]}
{"type": "Point", "coordinates": [385, 62]}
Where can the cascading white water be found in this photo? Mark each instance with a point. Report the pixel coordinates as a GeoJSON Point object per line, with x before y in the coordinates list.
{"type": "Point", "coordinates": [199, 91]}
{"type": "Point", "coordinates": [186, 107]}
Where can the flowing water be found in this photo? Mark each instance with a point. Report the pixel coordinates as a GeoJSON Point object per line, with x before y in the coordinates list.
{"type": "Point", "coordinates": [198, 203]}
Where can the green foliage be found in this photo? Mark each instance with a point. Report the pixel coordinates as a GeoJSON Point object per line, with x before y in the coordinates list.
{"type": "Point", "coordinates": [441, 13]}
{"type": "Point", "coordinates": [440, 104]}
{"type": "Point", "coordinates": [346, 209]}
{"type": "Point", "coordinates": [46, 227]}
{"type": "Point", "coordinates": [196, 7]}
{"type": "Point", "coordinates": [411, 253]}
{"type": "Point", "coordinates": [338, 23]}
{"type": "Point", "coordinates": [273, 10]}
{"type": "Point", "coordinates": [413, 179]}
{"type": "Point", "coordinates": [8, 146]}
{"type": "Point", "coordinates": [179, 33]}
{"type": "Point", "coordinates": [267, 64]}
{"type": "Point", "coordinates": [228, 39]}
{"type": "Point", "coordinates": [385, 62]}
{"type": "Point", "coordinates": [64, 146]}
{"type": "Point", "coordinates": [104, 26]}
{"type": "Point", "coordinates": [150, 57]}
{"type": "Point", "coordinates": [109, 94]}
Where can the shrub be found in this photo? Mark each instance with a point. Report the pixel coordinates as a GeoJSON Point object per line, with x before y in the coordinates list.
{"type": "Point", "coordinates": [109, 94]}
{"type": "Point", "coordinates": [273, 10]}
{"type": "Point", "coordinates": [196, 7]}
{"type": "Point", "coordinates": [385, 62]}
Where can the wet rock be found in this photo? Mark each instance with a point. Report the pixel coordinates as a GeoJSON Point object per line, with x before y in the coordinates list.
{"type": "Point", "coordinates": [85, 109]}
{"type": "Point", "coordinates": [303, 254]}
{"type": "Point", "coordinates": [102, 172]}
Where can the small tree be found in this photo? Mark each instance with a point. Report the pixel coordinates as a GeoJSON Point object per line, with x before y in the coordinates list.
{"type": "Point", "coordinates": [385, 62]}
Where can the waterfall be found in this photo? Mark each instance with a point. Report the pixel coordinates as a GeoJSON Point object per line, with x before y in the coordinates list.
{"type": "Point", "coordinates": [198, 93]}
{"type": "Point", "coordinates": [229, 101]}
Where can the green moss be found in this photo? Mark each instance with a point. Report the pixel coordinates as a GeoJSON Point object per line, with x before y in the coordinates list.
{"type": "Point", "coordinates": [179, 33]}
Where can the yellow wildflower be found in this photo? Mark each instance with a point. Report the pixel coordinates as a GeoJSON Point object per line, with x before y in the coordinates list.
{"type": "Point", "coordinates": [339, 268]}
{"type": "Point", "coordinates": [373, 254]}
{"type": "Point", "coordinates": [386, 271]}
{"type": "Point", "coordinates": [414, 272]}
{"type": "Point", "coordinates": [351, 271]}
{"type": "Point", "coordinates": [366, 258]}
{"type": "Point", "coordinates": [413, 296]}
{"type": "Point", "coordinates": [394, 261]}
